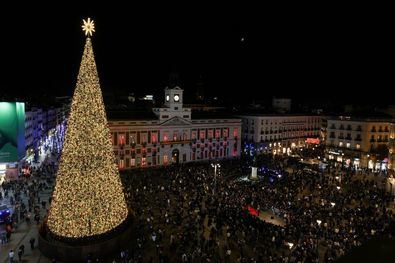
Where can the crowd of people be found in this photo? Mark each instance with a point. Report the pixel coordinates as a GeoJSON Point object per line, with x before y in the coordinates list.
{"type": "Point", "coordinates": [187, 213]}
{"type": "Point", "coordinates": [180, 217]}
{"type": "Point", "coordinates": [24, 199]}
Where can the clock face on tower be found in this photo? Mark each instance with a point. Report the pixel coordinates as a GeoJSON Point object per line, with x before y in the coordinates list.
{"type": "Point", "coordinates": [176, 98]}
{"type": "Point", "coordinates": [167, 97]}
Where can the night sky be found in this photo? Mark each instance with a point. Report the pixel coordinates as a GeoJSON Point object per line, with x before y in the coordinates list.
{"type": "Point", "coordinates": [327, 54]}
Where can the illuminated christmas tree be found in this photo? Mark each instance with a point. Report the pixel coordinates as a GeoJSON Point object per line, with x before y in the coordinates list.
{"type": "Point", "coordinates": [88, 199]}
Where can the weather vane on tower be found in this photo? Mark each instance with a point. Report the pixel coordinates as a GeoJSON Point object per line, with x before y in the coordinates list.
{"type": "Point", "coordinates": [88, 27]}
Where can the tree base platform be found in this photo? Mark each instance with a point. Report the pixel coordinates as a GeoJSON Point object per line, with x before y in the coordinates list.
{"type": "Point", "coordinates": [100, 248]}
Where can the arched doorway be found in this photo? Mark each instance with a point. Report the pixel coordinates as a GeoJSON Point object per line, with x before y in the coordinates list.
{"type": "Point", "coordinates": [175, 156]}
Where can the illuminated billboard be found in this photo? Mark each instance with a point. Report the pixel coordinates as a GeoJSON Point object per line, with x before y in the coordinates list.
{"type": "Point", "coordinates": [313, 141]}
{"type": "Point", "coordinates": [12, 131]}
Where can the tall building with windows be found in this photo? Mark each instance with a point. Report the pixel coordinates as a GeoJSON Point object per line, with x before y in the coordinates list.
{"type": "Point", "coordinates": [392, 148]}
{"type": "Point", "coordinates": [39, 123]}
{"type": "Point", "coordinates": [359, 142]}
{"type": "Point", "coordinates": [172, 134]}
{"type": "Point", "coordinates": [280, 133]}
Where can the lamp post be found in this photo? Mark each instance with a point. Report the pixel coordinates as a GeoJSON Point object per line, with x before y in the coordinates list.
{"type": "Point", "coordinates": [217, 165]}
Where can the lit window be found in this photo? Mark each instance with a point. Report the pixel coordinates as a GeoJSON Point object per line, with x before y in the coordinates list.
{"type": "Point", "coordinates": [210, 134]}
{"type": "Point", "coordinates": [121, 164]}
{"type": "Point", "coordinates": [165, 137]}
{"type": "Point", "coordinates": [341, 144]}
{"type": "Point", "coordinates": [165, 159]}
{"type": "Point", "coordinates": [217, 133]}
{"type": "Point", "coordinates": [358, 146]}
{"type": "Point", "coordinates": [202, 134]}
{"type": "Point", "coordinates": [143, 161]}
{"type": "Point", "coordinates": [348, 145]}
{"type": "Point", "coordinates": [132, 162]}
{"type": "Point", "coordinates": [225, 132]}
{"type": "Point", "coordinates": [143, 138]}
{"type": "Point", "coordinates": [234, 152]}
{"type": "Point", "coordinates": [193, 135]}
{"type": "Point", "coordinates": [154, 138]}
{"type": "Point", "coordinates": [121, 139]}
{"type": "Point", "coordinates": [235, 132]}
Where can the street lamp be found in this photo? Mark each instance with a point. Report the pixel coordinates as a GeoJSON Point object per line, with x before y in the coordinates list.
{"type": "Point", "coordinates": [217, 165]}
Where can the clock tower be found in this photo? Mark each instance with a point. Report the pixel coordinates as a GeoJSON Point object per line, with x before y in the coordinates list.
{"type": "Point", "coordinates": [173, 98]}
{"type": "Point", "coordinates": [173, 106]}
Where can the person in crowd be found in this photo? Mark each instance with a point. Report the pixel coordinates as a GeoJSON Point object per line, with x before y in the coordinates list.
{"type": "Point", "coordinates": [20, 253]}
{"type": "Point", "coordinates": [11, 256]}
{"type": "Point", "coordinates": [32, 243]}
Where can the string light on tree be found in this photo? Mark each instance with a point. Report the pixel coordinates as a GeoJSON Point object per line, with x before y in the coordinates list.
{"type": "Point", "coordinates": [88, 198]}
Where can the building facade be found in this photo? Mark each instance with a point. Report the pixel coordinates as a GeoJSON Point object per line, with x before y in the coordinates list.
{"type": "Point", "coordinates": [40, 124]}
{"type": "Point", "coordinates": [359, 142]}
{"type": "Point", "coordinates": [280, 134]}
{"type": "Point", "coordinates": [34, 128]}
{"type": "Point", "coordinates": [392, 148]}
{"type": "Point", "coordinates": [172, 134]}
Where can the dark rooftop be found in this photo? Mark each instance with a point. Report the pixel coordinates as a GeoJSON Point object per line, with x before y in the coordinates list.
{"type": "Point", "coordinates": [198, 115]}
{"type": "Point", "coordinates": [274, 114]}
{"type": "Point", "coordinates": [364, 116]}
{"type": "Point", "coordinates": [131, 115]}
{"type": "Point", "coordinates": [114, 115]}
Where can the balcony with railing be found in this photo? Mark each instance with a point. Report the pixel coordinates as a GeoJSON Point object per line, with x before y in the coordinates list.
{"type": "Point", "coordinates": [177, 142]}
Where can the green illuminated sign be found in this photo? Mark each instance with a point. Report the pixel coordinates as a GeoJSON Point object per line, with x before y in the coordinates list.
{"type": "Point", "coordinates": [12, 131]}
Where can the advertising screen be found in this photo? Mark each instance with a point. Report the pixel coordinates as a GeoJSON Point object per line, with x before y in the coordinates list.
{"type": "Point", "coordinates": [313, 140]}
{"type": "Point", "coordinates": [12, 131]}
